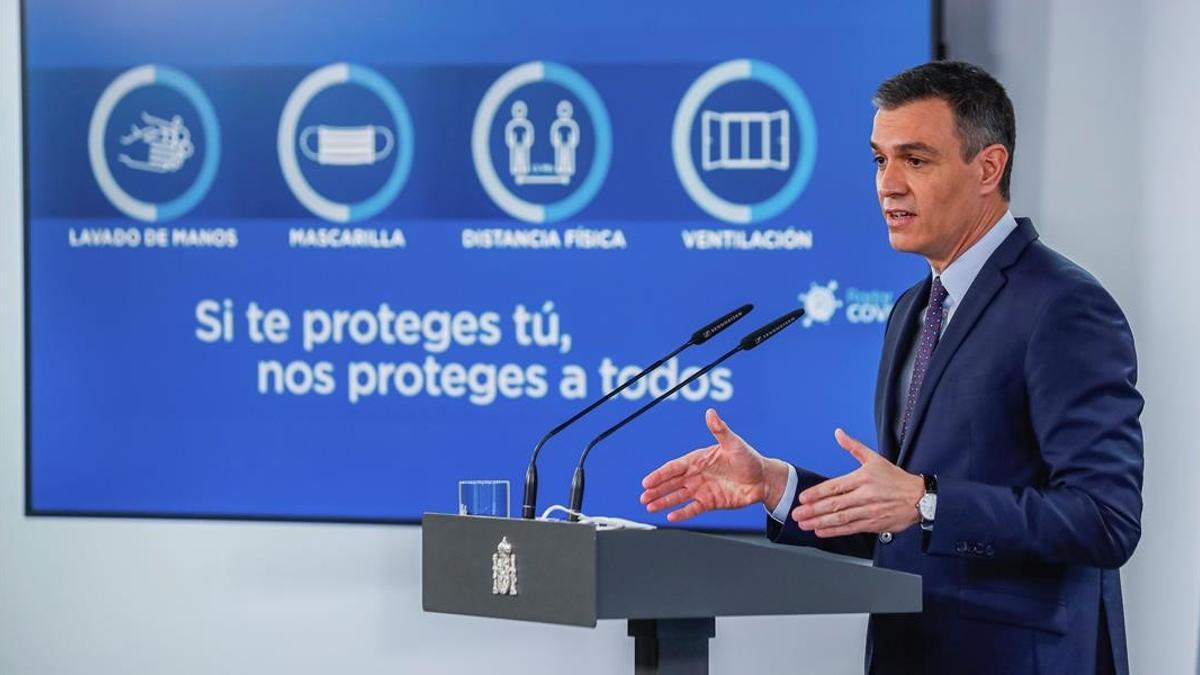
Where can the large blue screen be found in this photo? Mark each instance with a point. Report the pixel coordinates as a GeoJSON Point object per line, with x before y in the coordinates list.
{"type": "Point", "coordinates": [323, 260]}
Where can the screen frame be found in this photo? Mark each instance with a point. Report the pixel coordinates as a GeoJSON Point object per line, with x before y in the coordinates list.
{"type": "Point", "coordinates": [937, 51]}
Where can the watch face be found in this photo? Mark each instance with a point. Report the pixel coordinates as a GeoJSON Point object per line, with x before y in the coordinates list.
{"type": "Point", "coordinates": [928, 506]}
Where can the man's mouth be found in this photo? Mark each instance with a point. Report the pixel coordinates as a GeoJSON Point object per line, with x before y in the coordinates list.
{"type": "Point", "coordinates": [899, 217]}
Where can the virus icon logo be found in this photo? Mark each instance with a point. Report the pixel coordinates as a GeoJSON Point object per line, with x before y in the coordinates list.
{"type": "Point", "coordinates": [820, 303]}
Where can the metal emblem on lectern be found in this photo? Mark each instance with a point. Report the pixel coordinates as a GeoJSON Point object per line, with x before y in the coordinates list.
{"type": "Point", "coordinates": [504, 569]}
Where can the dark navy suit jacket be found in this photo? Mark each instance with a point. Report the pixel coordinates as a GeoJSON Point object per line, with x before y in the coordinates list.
{"type": "Point", "coordinates": [1028, 416]}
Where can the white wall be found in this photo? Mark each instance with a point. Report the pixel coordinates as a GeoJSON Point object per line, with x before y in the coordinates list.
{"type": "Point", "coordinates": [1165, 576]}
{"type": "Point", "coordinates": [1105, 92]}
{"type": "Point", "coordinates": [1106, 100]}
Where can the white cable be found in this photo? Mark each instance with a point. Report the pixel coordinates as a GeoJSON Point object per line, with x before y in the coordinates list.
{"type": "Point", "coordinates": [601, 522]}
{"type": "Point", "coordinates": [560, 507]}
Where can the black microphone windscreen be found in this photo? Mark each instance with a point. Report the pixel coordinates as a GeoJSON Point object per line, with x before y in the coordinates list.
{"type": "Point", "coordinates": [702, 335]}
{"type": "Point", "coordinates": [762, 334]}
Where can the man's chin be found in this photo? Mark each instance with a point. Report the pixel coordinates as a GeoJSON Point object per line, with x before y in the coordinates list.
{"type": "Point", "coordinates": [899, 241]}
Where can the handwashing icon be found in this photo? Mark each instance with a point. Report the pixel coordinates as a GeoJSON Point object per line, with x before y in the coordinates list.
{"type": "Point", "coordinates": [169, 140]}
{"type": "Point", "coordinates": [346, 146]}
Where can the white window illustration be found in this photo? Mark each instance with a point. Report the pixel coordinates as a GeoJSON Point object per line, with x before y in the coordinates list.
{"type": "Point", "coordinates": [745, 140]}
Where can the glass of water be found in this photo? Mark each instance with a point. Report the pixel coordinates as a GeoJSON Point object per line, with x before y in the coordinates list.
{"type": "Point", "coordinates": [483, 498]}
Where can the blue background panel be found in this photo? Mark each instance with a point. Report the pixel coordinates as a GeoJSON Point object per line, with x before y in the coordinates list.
{"type": "Point", "coordinates": [131, 414]}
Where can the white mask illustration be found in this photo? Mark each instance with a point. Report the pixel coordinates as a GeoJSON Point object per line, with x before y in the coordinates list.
{"type": "Point", "coordinates": [347, 146]}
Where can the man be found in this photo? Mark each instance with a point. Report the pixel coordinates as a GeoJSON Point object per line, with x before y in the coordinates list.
{"type": "Point", "coordinates": [1009, 470]}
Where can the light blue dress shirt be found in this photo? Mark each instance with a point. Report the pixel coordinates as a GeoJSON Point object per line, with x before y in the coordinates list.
{"type": "Point", "coordinates": [957, 278]}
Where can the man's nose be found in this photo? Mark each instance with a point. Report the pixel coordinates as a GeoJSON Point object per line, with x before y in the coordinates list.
{"type": "Point", "coordinates": [889, 181]}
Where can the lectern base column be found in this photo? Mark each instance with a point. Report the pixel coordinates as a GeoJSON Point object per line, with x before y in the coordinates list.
{"type": "Point", "coordinates": [671, 646]}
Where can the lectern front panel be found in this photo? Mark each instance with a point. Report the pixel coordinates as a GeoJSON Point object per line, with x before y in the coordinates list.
{"type": "Point", "coordinates": [471, 565]}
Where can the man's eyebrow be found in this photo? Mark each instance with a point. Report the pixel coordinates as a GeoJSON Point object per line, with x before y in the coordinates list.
{"type": "Point", "coordinates": [909, 148]}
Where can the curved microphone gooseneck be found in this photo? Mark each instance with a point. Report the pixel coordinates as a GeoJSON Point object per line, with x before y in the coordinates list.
{"type": "Point", "coordinates": [747, 343]}
{"type": "Point", "coordinates": [529, 502]}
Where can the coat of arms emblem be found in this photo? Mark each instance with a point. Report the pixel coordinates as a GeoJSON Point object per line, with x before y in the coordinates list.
{"type": "Point", "coordinates": [504, 569]}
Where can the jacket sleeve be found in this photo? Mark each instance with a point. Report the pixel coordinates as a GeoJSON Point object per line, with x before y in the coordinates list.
{"type": "Point", "coordinates": [1080, 373]}
{"type": "Point", "coordinates": [788, 532]}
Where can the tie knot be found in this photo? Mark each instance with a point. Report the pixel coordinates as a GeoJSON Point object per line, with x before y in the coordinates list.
{"type": "Point", "coordinates": [937, 294]}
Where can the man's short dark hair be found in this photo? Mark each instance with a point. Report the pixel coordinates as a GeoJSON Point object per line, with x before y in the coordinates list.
{"type": "Point", "coordinates": [983, 113]}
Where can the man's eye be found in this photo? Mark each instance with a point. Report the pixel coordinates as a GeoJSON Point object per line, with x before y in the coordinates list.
{"type": "Point", "coordinates": [915, 162]}
{"type": "Point", "coordinates": [879, 161]}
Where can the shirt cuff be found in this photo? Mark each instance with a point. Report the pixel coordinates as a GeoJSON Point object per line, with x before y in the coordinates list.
{"type": "Point", "coordinates": [780, 512]}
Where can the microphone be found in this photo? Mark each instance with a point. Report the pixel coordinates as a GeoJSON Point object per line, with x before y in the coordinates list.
{"type": "Point", "coordinates": [701, 336]}
{"type": "Point", "coordinates": [747, 343]}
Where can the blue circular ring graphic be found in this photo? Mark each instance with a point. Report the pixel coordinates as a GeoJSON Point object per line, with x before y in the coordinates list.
{"type": "Point", "coordinates": [170, 77]}
{"type": "Point", "coordinates": [147, 76]}
{"type": "Point", "coordinates": [779, 81]}
{"type": "Point", "coordinates": [738, 70]}
{"type": "Point", "coordinates": [372, 80]}
{"type": "Point", "coordinates": [515, 78]}
{"type": "Point", "coordinates": [313, 84]}
{"type": "Point", "coordinates": [576, 84]}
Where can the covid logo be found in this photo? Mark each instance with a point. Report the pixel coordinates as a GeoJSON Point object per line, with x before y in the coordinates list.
{"type": "Point", "coordinates": [870, 306]}
{"type": "Point", "coordinates": [820, 303]}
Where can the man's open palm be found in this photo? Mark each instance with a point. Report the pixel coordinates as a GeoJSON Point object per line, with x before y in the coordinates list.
{"type": "Point", "coordinates": [727, 475]}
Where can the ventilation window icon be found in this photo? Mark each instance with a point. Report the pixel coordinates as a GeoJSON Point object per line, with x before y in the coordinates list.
{"type": "Point", "coordinates": [745, 140]}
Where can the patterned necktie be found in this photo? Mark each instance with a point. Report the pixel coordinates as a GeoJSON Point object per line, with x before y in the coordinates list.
{"type": "Point", "coordinates": [931, 330]}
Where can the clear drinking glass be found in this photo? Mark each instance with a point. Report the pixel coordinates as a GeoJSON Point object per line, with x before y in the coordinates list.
{"type": "Point", "coordinates": [483, 498]}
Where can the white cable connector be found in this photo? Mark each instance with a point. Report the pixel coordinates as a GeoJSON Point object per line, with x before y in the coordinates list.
{"type": "Point", "coordinates": [601, 522]}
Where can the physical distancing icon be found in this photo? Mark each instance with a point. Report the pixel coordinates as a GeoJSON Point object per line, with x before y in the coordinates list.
{"type": "Point", "coordinates": [347, 146]}
{"type": "Point", "coordinates": [520, 136]}
{"type": "Point", "coordinates": [516, 126]}
{"type": "Point", "coordinates": [169, 141]}
{"type": "Point", "coordinates": [765, 131]}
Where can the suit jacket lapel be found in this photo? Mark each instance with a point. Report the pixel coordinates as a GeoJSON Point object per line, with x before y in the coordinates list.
{"type": "Point", "coordinates": [989, 282]}
{"type": "Point", "coordinates": [897, 343]}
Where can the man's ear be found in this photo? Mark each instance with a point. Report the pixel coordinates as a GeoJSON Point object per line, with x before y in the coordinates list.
{"type": "Point", "coordinates": [992, 161]}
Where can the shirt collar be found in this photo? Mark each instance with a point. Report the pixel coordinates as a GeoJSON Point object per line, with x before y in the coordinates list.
{"type": "Point", "coordinates": [960, 274]}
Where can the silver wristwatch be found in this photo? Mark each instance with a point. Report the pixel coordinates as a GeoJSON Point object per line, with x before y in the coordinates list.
{"type": "Point", "coordinates": [927, 507]}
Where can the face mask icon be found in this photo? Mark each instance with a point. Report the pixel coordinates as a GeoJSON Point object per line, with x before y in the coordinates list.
{"type": "Point", "coordinates": [346, 146]}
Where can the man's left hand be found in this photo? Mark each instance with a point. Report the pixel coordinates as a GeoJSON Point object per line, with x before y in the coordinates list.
{"type": "Point", "coordinates": [877, 497]}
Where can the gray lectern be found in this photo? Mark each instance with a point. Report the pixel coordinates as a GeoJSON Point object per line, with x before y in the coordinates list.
{"type": "Point", "coordinates": [669, 584]}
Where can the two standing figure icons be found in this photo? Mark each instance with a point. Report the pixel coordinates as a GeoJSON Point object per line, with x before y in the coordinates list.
{"type": "Point", "coordinates": [519, 136]}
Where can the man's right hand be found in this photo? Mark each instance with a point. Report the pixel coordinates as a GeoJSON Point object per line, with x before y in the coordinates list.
{"type": "Point", "coordinates": [727, 475]}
